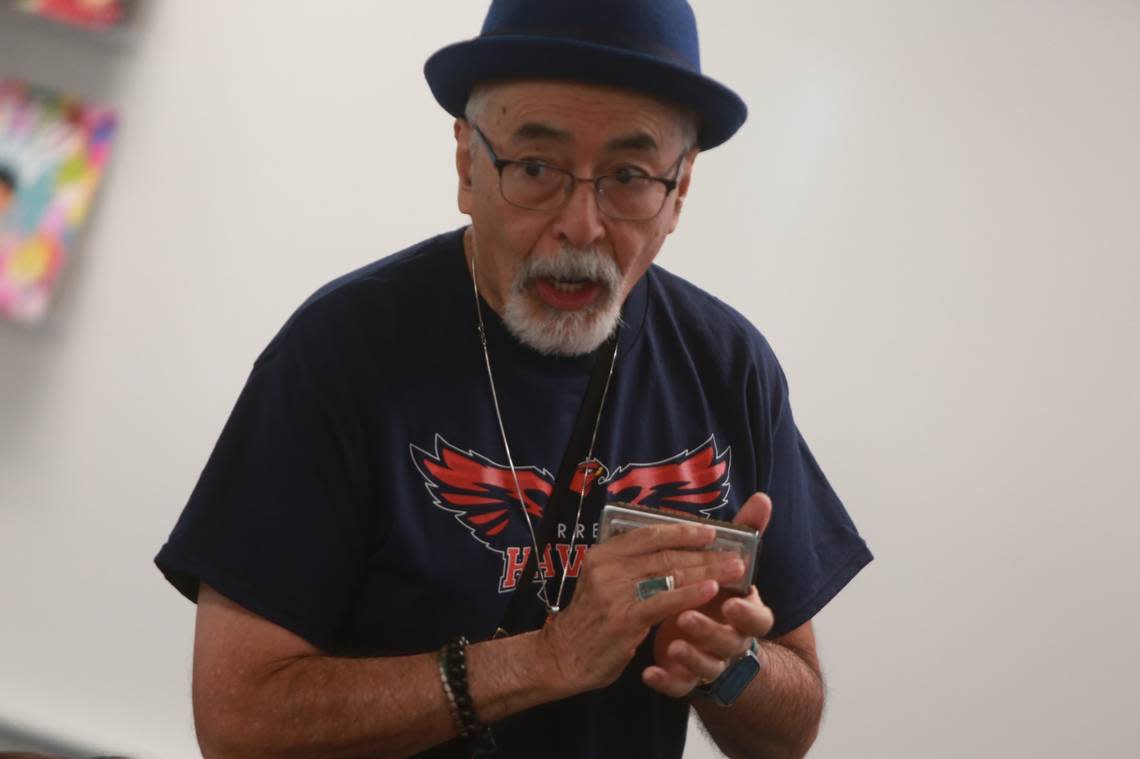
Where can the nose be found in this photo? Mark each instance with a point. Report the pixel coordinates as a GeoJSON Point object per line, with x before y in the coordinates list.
{"type": "Point", "coordinates": [579, 223]}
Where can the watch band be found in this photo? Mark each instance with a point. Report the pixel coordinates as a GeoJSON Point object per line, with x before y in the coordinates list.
{"type": "Point", "coordinates": [727, 688]}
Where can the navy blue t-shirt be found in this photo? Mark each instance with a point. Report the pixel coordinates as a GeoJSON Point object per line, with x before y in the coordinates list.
{"type": "Point", "coordinates": [359, 494]}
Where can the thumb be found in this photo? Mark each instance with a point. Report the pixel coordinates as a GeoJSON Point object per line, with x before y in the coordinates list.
{"type": "Point", "coordinates": [755, 512]}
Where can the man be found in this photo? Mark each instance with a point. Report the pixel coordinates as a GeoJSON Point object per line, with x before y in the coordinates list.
{"type": "Point", "coordinates": [379, 492]}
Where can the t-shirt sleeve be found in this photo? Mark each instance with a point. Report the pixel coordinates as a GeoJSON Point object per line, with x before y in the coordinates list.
{"type": "Point", "coordinates": [274, 522]}
{"type": "Point", "coordinates": [811, 548]}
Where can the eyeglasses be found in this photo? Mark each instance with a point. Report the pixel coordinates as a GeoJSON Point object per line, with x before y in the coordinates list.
{"type": "Point", "coordinates": [627, 195]}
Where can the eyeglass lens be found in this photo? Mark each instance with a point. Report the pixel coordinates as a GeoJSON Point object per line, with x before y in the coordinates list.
{"type": "Point", "coordinates": [541, 188]}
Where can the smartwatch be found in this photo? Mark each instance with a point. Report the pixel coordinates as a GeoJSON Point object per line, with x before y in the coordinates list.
{"type": "Point", "coordinates": [727, 688]}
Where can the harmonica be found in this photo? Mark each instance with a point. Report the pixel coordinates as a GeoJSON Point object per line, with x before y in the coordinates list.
{"type": "Point", "coordinates": [618, 518]}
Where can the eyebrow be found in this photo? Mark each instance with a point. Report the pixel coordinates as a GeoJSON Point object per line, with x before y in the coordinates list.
{"type": "Point", "coordinates": [641, 142]}
{"type": "Point", "coordinates": [537, 130]}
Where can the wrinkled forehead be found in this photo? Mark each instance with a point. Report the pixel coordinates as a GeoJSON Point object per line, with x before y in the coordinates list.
{"type": "Point", "coordinates": [581, 115]}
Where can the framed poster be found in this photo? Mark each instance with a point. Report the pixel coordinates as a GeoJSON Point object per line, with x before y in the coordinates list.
{"type": "Point", "coordinates": [53, 149]}
{"type": "Point", "coordinates": [91, 14]}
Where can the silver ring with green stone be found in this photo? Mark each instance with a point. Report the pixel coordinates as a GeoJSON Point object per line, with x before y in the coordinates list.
{"type": "Point", "coordinates": [646, 589]}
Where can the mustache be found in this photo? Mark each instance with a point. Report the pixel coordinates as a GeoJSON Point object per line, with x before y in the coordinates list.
{"type": "Point", "coordinates": [570, 263]}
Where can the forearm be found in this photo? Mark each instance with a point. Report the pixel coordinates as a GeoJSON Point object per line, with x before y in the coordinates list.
{"type": "Point", "coordinates": [382, 707]}
{"type": "Point", "coordinates": [261, 690]}
{"type": "Point", "coordinates": [778, 715]}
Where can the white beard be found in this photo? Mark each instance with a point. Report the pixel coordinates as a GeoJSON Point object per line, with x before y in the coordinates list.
{"type": "Point", "coordinates": [552, 331]}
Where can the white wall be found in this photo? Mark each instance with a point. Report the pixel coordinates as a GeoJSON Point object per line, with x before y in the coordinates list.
{"type": "Point", "coordinates": [933, 213]}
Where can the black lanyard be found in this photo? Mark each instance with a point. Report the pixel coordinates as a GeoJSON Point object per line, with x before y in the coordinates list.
{"type": "Point", "coordinates": [562, 498]}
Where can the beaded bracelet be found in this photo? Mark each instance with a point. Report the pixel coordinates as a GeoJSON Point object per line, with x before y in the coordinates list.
{"type": "Point", "coordinates": [453, 675]}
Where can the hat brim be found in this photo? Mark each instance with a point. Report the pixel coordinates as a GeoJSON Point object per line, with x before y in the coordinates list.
{"type": "Point", "coordinates": [455, 70]}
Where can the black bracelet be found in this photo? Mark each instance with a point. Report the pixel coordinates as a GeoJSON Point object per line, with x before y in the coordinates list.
{"type": "Point", "coordinates": [453, 674]}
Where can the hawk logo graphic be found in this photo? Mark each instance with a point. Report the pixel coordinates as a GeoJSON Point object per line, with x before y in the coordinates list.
{"type": "Point", "coordinates": [481, 495]}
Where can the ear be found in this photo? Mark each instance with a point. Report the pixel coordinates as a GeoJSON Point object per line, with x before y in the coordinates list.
{"type": "Point", "coordinates": [683, 186]}
{"type": "Point", "coordinates": [463, 164]}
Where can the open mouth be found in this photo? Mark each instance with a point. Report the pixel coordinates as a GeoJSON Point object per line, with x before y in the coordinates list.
{"type": "Point", "coordinates": [570, 285]}
{"type": "Point", "coordinates": [567, 294]}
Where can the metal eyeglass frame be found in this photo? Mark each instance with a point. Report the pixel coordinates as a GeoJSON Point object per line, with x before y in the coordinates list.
{"type": "Point", "coordinates": [502, 163]}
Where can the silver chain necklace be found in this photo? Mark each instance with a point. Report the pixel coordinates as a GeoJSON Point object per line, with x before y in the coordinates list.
{"type": "Point", "coordinates": [551, 610]}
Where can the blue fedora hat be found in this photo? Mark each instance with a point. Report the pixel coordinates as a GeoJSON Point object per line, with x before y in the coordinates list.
{"type": "Point", "coordinates": [647, 46]}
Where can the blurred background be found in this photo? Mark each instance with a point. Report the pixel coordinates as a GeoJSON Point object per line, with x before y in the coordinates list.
{"type": "Point", "coordinates": [933, 214]}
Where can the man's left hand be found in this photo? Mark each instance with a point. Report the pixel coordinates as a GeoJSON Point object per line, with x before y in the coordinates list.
{"type": "Point", "coordinates": [696, 646]}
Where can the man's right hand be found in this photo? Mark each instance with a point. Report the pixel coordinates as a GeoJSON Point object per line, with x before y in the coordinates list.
{"type": "Point", "coordinates": [595, 637]}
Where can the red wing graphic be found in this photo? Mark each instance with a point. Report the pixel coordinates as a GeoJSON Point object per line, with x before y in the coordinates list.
{"type": "Point", "coordinates": [696, 481]}
{"type": "Point", "coordinates": [480, 492]}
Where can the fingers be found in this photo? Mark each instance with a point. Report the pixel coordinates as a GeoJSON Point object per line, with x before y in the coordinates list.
{"type": "Point", "coordinates": [729, 636]}
{"type": "Point", "coordinates": [594, 638]}
{"type": "Point", "coordinates": [697, 576]}
{"type": "Point", "coordinates": [658, 608]}
{"type": "Point", "coordinates": [756, 512]}
{"type": "Point", "coordinates": [722, 570]}
{"type": "Point", "coordinates": [687, 659]}
{"type": "Point", "coordinates": [706, 645]}
{"type": "Point", "coordinates": [749, 615]}
{"type": "Point", "coordinates": [683, 668]}
{"type": "Point", "coordinates": [686, 664]}
{"type": "Point", "coordinates": [675, 685]}
{"type": "Point", "coordinates": [721, 641]}
{"type": "Point", "coordinates": [645, 540]}
{"type": "Point", "coordinates": [687, 567]}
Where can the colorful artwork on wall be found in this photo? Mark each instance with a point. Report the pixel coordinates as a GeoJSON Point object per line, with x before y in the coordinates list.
{"type": "Point", "coordinates": [93, 14]}
{"type": "Point", "coordinates": [53, 149]}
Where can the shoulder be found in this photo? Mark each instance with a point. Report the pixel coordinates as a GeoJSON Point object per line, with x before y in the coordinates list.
{"type": "Point", "coordinates": [703, 320]}
{"type": "Point", "coordinates": [361, 310]}
{"type": "Point", "coordinates": [709, 336]}
{"type": "Point", "coordinates": [429, 261]}
{"type": "Point", "coordinates": [387, 282]}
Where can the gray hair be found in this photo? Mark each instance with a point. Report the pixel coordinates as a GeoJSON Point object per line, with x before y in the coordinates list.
{"type": "Point", "coordinates": [480, 94]}
{"type": "Point", "coordinates": [477, 102]}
